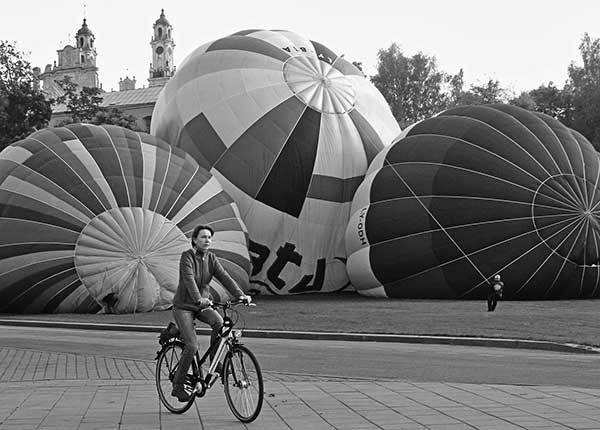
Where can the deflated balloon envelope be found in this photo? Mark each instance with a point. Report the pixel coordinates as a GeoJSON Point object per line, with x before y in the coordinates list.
{"type": "Point", "coordinates": [475, 191]}
{"type": "Point", "coordinates": [289, 128]}
{"type": "Point", "coordinates": [87, 210]}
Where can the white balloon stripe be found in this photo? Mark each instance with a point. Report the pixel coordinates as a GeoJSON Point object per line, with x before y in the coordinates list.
{"type": "Point", "coordinates": [27, 189]}
{"type": "Point", "coordinates": [149, 157]}
{"type": "Point", "coordinates": [120, 162]}
{"type": "Point", "coordinates": [81, 152]}
{"type": "Point", "coordinates": [16, 154]}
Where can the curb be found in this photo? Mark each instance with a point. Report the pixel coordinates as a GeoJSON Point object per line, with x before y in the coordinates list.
{"type": "Point", "coordinates": [349, 337]}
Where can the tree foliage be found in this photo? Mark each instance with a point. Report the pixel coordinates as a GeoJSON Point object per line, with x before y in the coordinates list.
{"type": "Point", "coordinates": [23, 108]}
{"type": "Point", "coordinates": [413, 86]}
{"type": "Point", "coordinates": [582, 90]}
{"type": "Point", "coordinates": [85, 106]}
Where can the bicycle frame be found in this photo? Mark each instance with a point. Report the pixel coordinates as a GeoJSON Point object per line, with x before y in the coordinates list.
{"type": "Point", "coordinates": [226, 339]}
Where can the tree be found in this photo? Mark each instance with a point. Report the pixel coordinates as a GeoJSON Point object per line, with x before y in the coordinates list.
{"type": "Point", "coordinates": [84, 106]}
{"type": "Point", "coordinates": [412, 86]}
{"type": "Point", "coordinates": [23, 108]}
{"type": "Point", "coordinates": [583, 88]}
{"type": "Point", "coordinates": [488, 93]}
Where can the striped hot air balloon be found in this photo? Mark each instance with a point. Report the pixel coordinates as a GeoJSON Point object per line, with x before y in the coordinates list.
{"type": "Point", "coordinates": [475, 191]}
{"type": "Point", "coordinates": [289, 128]}
{"type": "Point", "coordinates": [86, 211]}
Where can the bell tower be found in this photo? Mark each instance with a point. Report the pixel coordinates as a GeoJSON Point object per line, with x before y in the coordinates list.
{"type": "Point", "coordinates": [162, 67]}
{"type": "Point", "coordinates": [78, 62]}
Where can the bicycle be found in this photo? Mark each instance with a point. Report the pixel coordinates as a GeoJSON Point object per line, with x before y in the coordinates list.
{"type": "Point", "coordinates": [240, 372]}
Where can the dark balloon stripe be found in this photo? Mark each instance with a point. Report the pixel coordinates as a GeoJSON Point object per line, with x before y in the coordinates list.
{"type": "Point", "coordinates": [327, 55]}
{"type": "Point", "coordinates": [245, 32]}
{"type": "Point", "coordinates": [105, 154]}
{"type": "Point", "coordinates": [249, 44]}
{"type": "Point", "coordinates": [333, 189]}
{"type": "Point", "coordinates": [199, 129]}
{"type": "Point", "coordinates": [17, 209]}
{"type": "Point", "coordinates": [200, 177]}
{"type": "Point", "coordinates": [251, 157]}
{"type": "Point", "coordinates": [35, 298]}
{"type": "Point", "coordinates": [14, 283]}
{"type": "Point", "coordinates": [14, 250]}
{"type": "Point", "coordinates": [228, 258]}
{"type": "Point", "coordinates": [286, 186]}
{"type": "Point", "coordinates": [55, 302]}
{"type": "Point", "coordinates": [370, 139]}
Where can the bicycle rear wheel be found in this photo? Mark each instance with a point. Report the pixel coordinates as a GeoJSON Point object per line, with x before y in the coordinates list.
{"type": "Point", "coordinates": [243, 384]}
{"type": "Point", "coordinates": [166, 365]}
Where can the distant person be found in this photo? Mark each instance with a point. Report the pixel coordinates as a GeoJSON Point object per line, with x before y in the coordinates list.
{"type": "Point", "coordinates": [495, 293]}
{"type": "Point", "coordinates": [110, 302]}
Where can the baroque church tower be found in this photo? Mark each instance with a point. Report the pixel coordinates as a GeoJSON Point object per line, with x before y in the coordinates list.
{"type": "Point", "coordinates": [162, 66]}
{"type": "Point", "coordinates": [77, 62]}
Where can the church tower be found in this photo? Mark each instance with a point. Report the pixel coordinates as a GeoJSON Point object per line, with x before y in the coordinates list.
{"type": "Point", "coordinates": [77, 62]}
{"type": "Point", "coordinates": [162, 66]}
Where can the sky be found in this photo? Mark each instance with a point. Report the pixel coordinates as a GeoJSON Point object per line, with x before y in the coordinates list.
{"type": "Point", "coordinates": [523, 44]}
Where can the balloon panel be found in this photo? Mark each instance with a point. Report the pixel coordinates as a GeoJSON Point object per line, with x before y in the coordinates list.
{"type": "Point", "coordinates": [87, 210]}
{"type": "Point", "coordinates": [475, 191]}
{"type": "Point", "coordinates": [288, 127]}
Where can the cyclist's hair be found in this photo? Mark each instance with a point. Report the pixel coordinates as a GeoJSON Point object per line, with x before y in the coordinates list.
{"type": "Point", "coordinates": [196, 232]}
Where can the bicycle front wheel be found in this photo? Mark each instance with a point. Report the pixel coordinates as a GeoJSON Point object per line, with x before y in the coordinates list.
{"type": "Point", "coordinates": [166, 366]}
{"type": "Point", "coordinates": [243, 383]}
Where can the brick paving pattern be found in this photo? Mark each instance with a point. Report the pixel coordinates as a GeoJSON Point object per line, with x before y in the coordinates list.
{"type": "Point", "coordinates": [42, 390]}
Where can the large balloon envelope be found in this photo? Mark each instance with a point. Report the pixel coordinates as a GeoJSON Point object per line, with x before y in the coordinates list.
{"type": "Point", "coordinates": [87, 210]}
{"type": "Point", "coordinates": [475, 191]}
{"type": "Point", "coordinates": [289, 128]}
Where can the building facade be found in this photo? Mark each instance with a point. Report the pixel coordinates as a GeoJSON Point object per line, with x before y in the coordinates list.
{"type": "Point", "coordinates": [79, 63]}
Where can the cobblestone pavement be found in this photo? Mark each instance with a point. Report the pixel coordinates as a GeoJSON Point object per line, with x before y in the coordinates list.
{"type": "Point", "coordinates": [42, 390]}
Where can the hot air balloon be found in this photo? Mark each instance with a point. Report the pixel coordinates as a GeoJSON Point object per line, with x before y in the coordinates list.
{"type": "Point", "coordinates": [89, 211]}
{"type": "Point", "coordinates": [476, 191]}
{"type": "Point", "coordinates": [289, 128]}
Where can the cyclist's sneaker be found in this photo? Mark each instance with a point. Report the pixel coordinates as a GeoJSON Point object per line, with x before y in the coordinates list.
{"type": "Point", "coordinates": [179, 392]}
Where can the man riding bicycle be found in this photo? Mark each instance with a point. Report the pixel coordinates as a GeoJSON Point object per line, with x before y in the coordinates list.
{"type": "Point", "coordinates": [197, 266]}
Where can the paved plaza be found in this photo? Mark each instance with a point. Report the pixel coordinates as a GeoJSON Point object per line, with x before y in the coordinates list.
{"type": "Point", "coordinates": [42, 390]}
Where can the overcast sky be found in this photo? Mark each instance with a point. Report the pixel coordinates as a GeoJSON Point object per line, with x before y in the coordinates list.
{"type": "Point", "coordinates": [522, 43]}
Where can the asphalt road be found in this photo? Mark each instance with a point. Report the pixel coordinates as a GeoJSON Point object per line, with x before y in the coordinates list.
{"type": "Point", "coordinates": [412, 362]}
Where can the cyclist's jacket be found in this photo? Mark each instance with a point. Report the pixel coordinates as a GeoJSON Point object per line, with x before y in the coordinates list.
{"type": "Point", "coordinates": [196, 270]}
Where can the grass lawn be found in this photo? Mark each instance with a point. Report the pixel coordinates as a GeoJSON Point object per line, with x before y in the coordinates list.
{"type": "Point", "coordinates": [562, 321]}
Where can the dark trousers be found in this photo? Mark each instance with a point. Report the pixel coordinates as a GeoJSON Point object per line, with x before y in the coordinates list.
{"type": "Point", "coordinates": [185, 322]}
{"type": "Point", "coordinates": [492, 301]}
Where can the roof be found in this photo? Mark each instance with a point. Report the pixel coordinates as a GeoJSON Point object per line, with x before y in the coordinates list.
{"type": "Point", "coordinates": [139, 96]}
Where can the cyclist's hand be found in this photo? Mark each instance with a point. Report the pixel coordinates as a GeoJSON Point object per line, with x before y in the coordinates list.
{"type": "Point", "coordinates": [246, 299]}
{"type": "Point", "coordinates": [204, 303]}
